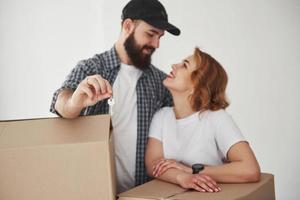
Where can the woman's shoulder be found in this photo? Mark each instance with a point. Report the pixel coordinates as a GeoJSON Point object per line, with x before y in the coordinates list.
{"type": "Point", "coordinates": [164, 111]}
{"type": "Point", "coordinates": [162, 114]}
{"type": "Point", "coordinates": [218, 114]}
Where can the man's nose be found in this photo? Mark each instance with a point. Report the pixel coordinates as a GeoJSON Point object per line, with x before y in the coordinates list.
{"type": "Point", "coordinates": [155, 42]}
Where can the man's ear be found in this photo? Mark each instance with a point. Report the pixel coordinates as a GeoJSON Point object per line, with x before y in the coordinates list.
{"type": "Point", "coordinates": [128, 26]}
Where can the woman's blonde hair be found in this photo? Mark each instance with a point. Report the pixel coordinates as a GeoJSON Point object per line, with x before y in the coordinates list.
{"type": "Point", "coordinates": [210, 81]}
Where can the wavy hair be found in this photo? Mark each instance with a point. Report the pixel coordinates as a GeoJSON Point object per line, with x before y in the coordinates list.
{"type": "Point", "coordinates": [210, 81]}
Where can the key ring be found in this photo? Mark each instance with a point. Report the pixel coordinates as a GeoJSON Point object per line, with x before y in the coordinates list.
{"type": "Point", "coordinates": [111, 102]}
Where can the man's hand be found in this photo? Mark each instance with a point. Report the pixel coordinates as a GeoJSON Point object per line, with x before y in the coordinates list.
{"type": "Point", "coordinates": [91, 90]}
{"type": "Point", "coordinates": [199, 182]}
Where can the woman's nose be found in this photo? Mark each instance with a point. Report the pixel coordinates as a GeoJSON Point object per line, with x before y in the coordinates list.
{"type": "Point", "coordinates": [176, 66]}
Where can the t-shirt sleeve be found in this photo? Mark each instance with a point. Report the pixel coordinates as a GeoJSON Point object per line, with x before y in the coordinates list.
{"type": "Point", "coordinates": [155, 130]}
{"type": "Point", "coordinates": [227, 132]}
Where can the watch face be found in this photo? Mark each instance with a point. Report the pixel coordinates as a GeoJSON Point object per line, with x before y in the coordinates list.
{"type": "Point", "coordinates": [197, 168]}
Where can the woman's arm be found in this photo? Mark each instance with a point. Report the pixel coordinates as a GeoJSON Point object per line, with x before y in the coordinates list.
{"type": "Point", "coordinates": [154, 156]}
{"type": "Point", "coordinates": [177, 173]}
{"type": "Point", "coordinates": [242, 166]}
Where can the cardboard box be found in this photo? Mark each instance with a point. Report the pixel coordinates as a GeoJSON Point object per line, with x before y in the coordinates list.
{"type": "Point", "coordinates": [57, 159]}
{"type": "Point", "coordinates": [160, 190]}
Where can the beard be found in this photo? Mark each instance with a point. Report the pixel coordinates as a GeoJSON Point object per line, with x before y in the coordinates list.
{"type": "Point", "coordinates": [135, 52]}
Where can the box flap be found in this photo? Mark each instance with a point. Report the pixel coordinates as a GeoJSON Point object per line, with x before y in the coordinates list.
{"type": "Point", "coordinates": [155, 189]}
{"type": "Point", "coordinates": [51, 131]}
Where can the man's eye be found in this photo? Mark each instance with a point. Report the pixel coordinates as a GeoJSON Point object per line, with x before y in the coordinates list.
{"type": "Point", "coordinates": [150, 35]}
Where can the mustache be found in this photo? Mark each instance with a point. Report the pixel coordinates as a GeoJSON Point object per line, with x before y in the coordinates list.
{"type": "Point", "coordinates": [152, 49]}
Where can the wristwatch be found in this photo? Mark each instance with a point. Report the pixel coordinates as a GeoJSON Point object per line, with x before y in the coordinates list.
{"type": "Point", "coordinates": [197, 168]}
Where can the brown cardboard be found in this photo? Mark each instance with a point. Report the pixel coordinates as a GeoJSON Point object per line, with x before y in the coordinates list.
{"type": "Point", "coordinates": [159, 190]}
{"type": "Point", "coordinates": [57, 159]}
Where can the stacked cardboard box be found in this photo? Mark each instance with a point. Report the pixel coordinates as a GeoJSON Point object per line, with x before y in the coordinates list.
{"type": "Point", "coordinates": [158, 190]}
{"type": "Point", "coordinates": [57, 159]}
{"type": "Point", "coordinates": [73, 160]}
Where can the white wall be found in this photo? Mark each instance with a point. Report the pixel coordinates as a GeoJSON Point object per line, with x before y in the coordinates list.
{"type": "Point", "coordinates": [256, 41]}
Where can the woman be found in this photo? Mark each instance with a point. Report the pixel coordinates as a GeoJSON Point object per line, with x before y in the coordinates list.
{"type": "Point", "coordinates": [198, 130]}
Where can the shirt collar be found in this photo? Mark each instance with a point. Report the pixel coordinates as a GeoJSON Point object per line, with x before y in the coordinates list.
{"type": "Point", "coordinates": [112, 60]}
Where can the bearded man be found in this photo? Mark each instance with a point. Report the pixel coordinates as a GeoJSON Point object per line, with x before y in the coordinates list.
{"type": "Point", "coordinates": [126, 73]}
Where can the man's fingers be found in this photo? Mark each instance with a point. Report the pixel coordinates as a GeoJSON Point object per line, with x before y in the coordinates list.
{"type": "Point", "coordinates": [87, 91]}
{"type": "Point", "coordinates": [104, 96]}
{"type": "Point", "coordinates": [108, 87]}
{"type": "Point", "coordinates": [103, 84]}
{"type": "Point", "coordinates": [92, 82]}
{"type": "Point", "coordinates": [100, 85]}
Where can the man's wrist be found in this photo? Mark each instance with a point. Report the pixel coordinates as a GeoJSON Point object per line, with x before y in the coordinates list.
{"type": "Point", "coordinates": [71, 108]}
{"type": "Point", "coordinates": [64, 106]}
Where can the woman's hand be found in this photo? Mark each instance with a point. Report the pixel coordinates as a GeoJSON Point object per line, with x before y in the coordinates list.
{"type": "Point", "coordinates": [162, 165]}
{"type": "Point", "coordinates": [199, 182]}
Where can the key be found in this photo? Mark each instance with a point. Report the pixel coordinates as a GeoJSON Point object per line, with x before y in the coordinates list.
{"type": "Point", "coordinates": [111, 102]}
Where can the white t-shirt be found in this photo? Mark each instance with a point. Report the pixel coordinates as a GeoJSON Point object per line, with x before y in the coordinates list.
{"type": "Point", "coordinates": [124, 121]}
{"type": "Point", "coordinates": [199, 138]}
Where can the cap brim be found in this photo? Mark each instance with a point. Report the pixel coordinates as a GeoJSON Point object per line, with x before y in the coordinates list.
{"type": "Point", "coordinates": [164, 25]}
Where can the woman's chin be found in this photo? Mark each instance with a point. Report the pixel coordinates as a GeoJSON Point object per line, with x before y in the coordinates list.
{"type": "Point", "coordinates": [166, 82]}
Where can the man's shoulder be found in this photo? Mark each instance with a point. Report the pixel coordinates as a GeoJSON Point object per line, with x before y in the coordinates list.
{"type": "Point", "coordinates": [106, 58]}
{"type": "Point", "coordinates": [108, 54]}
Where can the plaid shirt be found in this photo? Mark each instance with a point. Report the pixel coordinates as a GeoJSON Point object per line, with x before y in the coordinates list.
{"type": "Point", "coordinates": [151, 96]}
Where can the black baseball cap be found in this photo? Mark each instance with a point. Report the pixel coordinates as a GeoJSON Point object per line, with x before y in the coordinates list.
{"type": "Point", "coordinates": [150, 11]}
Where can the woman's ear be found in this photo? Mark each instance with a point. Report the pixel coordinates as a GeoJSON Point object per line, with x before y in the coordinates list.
{"type": "Point", "coordinates": [128, 26]}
